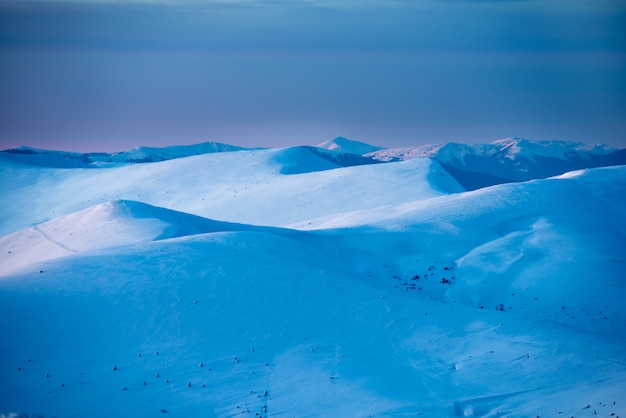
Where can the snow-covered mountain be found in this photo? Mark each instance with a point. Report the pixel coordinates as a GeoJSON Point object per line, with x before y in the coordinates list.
{"type": "Point", "coordinates": [472, 165]}
{"type": "Point", "coordinates": [152, 154]}
{"type": "Point", "coordinates": [405, 153]}
{"type": "Point", "coordinates": [510, 159]}
{"type": "Point", "coordinates": [64, 159]}
{"type": "Point", "coordinates": [370, 290]}
{"type": "Point", "coordinates": [348, 146]}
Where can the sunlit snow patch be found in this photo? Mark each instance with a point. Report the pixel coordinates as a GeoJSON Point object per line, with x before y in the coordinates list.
{"type": "Point", "coordinates": [110, 224]}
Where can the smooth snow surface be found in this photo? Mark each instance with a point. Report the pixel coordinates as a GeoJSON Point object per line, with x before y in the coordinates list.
{"type": "Point", "coordinates": [106, 225]}
{"type": "Point", "coordinates": [253, 187]}
{"type": "Point", "coordinates": [372, 290]}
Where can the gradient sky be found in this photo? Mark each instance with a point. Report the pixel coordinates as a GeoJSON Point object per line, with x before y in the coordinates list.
{"type": "Point", "coordinates": [110, 75]}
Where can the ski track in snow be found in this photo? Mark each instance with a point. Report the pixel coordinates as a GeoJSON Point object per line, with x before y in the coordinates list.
{"type": "Point", "coordinates": [51, 240]}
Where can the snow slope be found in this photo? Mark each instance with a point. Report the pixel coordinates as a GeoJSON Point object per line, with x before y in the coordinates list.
{"type": "Point", "coordinates": [244, 186]}
{"type": "Point", "coordinates": [152, 154]}
{"type": "Point", "coordinates": [516, 237]}
{"type": "Point", "coordinates": [348, 146]}
{"type": "Point", "coordinates": [109, 224]}
{"type": "Point", "coordinates": [396, 294]}
{"type": "Point", "coordinates": [213, 310]}
{"type": "Point", "coordinates": [510, 159]}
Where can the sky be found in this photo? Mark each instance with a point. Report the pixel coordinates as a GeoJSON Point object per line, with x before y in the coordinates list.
{"type": "Point", "coordinates": [110, 76]}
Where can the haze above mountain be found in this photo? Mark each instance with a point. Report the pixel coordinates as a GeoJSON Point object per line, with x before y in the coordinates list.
{"type": "Point", "coordinates": [337, 280]}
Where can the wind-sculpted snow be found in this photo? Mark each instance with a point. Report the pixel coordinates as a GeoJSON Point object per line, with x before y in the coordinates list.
{"type": "Point", "coordinates": [393, 292]}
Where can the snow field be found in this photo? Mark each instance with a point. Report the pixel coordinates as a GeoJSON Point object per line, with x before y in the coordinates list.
{"type": "Point", "coordinates": [412, 300]}
{"type": "Point", "coordinates": [404, 354]}
{"type": "Point", "coordinates": [244, 186]}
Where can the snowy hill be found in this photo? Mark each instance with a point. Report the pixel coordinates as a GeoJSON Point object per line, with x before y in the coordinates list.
{"type": "Point", "coordinates": [389, 290]}
{"type": "Point", "coordinates": [107, 225]}
{"type": "Point", "coordinates": [244, 186]}
{"type": "Point", "coordinates": [507, 236]}
{"type": "Point", "coordinates": [152, 154]}
{"type": "Point", "coordinates": [44, 158]}
{"type": "Point", "coordinates": [305, 159]}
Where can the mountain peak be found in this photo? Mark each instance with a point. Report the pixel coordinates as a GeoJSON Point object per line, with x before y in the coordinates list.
{"type": "Point", "coordinates": [348, 146]}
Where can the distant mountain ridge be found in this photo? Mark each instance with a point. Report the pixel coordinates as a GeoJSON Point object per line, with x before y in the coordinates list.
{"type": "Point", "coordinates": [508, 160]}
{"type": "Point", "coordinates": [473, 165]}
{"type": "Point", "coordinates": [135, 155]}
